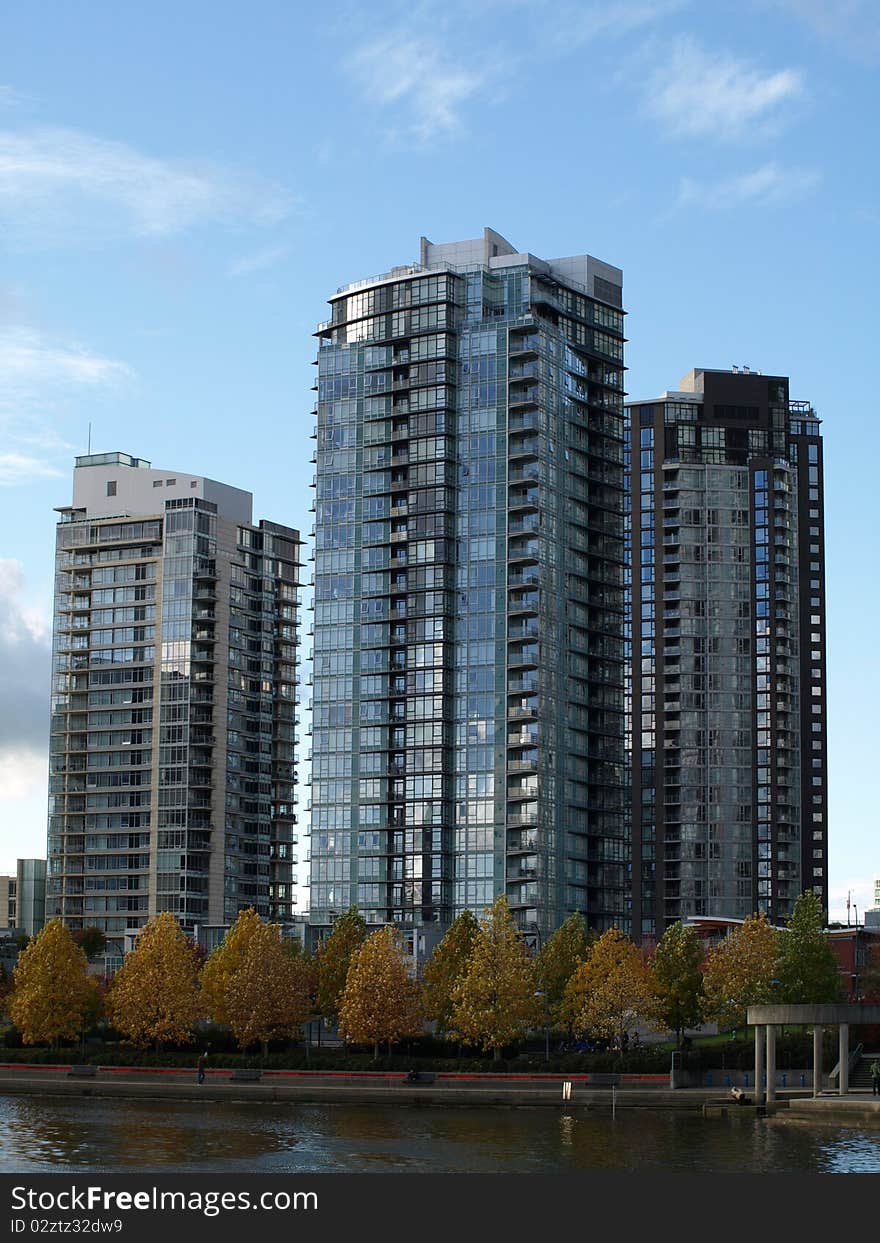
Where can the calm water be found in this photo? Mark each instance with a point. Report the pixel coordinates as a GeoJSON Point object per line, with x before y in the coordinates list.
{"type": "Point", "coordinates": [54, 1134]}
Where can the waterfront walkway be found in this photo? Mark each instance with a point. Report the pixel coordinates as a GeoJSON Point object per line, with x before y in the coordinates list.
{"type": "Point", "coordinates": [604, 1092]}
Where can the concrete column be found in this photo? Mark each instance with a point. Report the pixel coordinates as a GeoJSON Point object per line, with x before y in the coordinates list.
{"type": "Point", "coordinates": [759, 1063]}
{"type": "Point", "coordinates": [817, 1060]}
{"type": "Point", "coordinates": [771, 1063]}
{"type": "Point", "coordinates": [843, 1080]}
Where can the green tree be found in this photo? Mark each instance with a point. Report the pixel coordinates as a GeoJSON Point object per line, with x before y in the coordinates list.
{"type": "Point", "coordinates": [558, 959]}
{"type": "Point", "coordinates": [806, 967]}
{"type": "Point", "coordinates": [611, 989]}
{"type": "Point", "coordinates": [5, 987]}
{"type": "Point", "coordinates": [91, 940]}
{"type": "Point", "coordinates": [53, 996]}
{"type": "Point", "coordinates": [333, 958]}
{"type": "Point", "coordinates": [223, 963]}
{"type": "Point", "coordinates": [494, 1003]}
{"type": "Point", "coordinates": [739, 971]}
{"type": "Point", "coordinates": [268, 996]}
{"type": "Point", "coordinates": [869, 981]}
{"type": "Point", "coordinates": [678, 980]}
{"type": "Point", "coordinates": [447, 966]}
{"type": "Point", "coordinates": [380, 1001]}
{"type": "Point", "coordinates": [154, 997]}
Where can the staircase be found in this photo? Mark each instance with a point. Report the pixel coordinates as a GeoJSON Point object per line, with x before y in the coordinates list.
{"type": "Point", "coordinates": [860, 1074]}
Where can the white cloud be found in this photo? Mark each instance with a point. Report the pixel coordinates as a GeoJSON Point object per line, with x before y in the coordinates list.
{"type": "Point", "coordinates": [576, 24]}
{"type": "Point", "coordinates": [24, 667]}
{"type": "Point", "coordinates": [259, 261]}
{"type": "Point", "coordinates": [416, 76]}
{"type": "Point", "coordinates": [28, 358]}
{"type": "Point", "coordinates": [769, 184]}
{"type": "Point", "coordinates": [695, 93]}
{"type": "Point", "coordinates": [853, 25]}
{"type": "Point", "coordinates": [57, 181]}
{"type": "Point", "coordinates": [38, 376]}
{"type": "Point", "coordinates": [18, 468]}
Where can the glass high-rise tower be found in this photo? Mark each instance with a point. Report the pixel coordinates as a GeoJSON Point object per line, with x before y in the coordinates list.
{"type": "Point", "coordinates": [174, 692]}
{"type": "Point", "coordinates": [468, 649]}
{"type": "Point", "coordinates": [727, 719]}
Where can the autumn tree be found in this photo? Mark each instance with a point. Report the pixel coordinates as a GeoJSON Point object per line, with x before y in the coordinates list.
{"type": "Point", "coordinates": [678, 980]}
{"type": "Point", "coordinates": [268, 996]}
{"type": "Point", "coordinates": [333, 958]}
{"type": "Point", "coordinates": [380, 1001]}
{"type": "Point", "coordinates": [223, 963]}
{"type": "Point", "coordinates": [806, 967]}
{"type": "Point", "coordinates": [53, 996]}
{"type": "Point", "coordinates": [610, 990]}
{"type": "Point", "coordinates": [447, 966]}
{"type": "Point", "coordinates": [494, 1003]}
{"type": "Point", "coordinates": [558, 959]}
{"type": "Point", "coordinates": [740, 970]}
{"type": "Point", "coordinates": [154, 997]}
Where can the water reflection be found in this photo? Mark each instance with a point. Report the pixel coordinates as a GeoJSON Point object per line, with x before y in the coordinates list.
{"type": "Point", "coordinates": [86, 1134]}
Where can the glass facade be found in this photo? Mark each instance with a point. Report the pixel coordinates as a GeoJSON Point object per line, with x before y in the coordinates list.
{"type": "Point", "coordinates": [718, 736]}
{"type": "Point", "coordinates": [468, 694]}
{"type": "Point", "coordinates": [173, 709]}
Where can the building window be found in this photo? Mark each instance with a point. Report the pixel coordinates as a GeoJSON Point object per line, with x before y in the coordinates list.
{"type": "Point", "coordinates": [111, 487]}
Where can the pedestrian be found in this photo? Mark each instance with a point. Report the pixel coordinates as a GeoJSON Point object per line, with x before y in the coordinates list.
{"type": "Point", "coordinates": [875, 1077]}
{"type": "Point", "coordinates": [202, 1062]}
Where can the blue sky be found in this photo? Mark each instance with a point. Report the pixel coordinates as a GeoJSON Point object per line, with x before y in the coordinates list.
{"type": "Point", "coordinates": [182, 186]}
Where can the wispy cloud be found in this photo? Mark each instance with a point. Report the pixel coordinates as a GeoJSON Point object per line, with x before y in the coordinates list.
{"type": "Point", "coordinates": [425, 71]}
{"type": "Point", "coordinates": [31, 363]}
{"type": "Point", "coordinates": [418, 78]}
{"type": "Point", "coordinates": [851, 25]}
{"type": "Point", "coordinates": [63, 181]}
{"type": "Point", "coordinates": [24, 665]}
{"type": "Point", "coordinates": [8, 97]}
{"type": "Point", "coordinates": [770, 184]}
{"type": "Point", "coordinates": [696, 93]}
{"type": "Point", "coordinates": [38, 378]}
{"type": "Point", "coordinates": [569, 26]}
{"type": "Point", "coordinates": [259, 261]}
{"type": "Point", "coordinates": [18, 468]}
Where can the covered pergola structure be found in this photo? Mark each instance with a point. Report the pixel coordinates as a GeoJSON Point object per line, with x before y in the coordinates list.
{"type": "Point", "coordinates": [765, 1020]}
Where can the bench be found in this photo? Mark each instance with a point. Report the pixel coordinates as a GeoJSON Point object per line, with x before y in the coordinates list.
{"type": "Point", "coordinates": [82, 1072]}
{"type": "Point", "coordinates": [603, 1079]}
{"type": "Point", "coordinates": [420, 1076]}
{"type": "Point", "coordinates": [245, 1076]}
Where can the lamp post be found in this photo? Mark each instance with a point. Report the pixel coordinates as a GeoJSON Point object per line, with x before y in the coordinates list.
{"type": "Point", "coordinates": [533, 928]}
{"type": "Point", "coordinates": [540, 993]}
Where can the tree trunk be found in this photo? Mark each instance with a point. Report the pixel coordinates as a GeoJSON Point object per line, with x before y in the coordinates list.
{"type": "Point", "coordinates": [264, 1045]}
{"type": "Point", "coordinates": [496, 1053]}
{"type": "Point", "coordinates": [375, 1050]}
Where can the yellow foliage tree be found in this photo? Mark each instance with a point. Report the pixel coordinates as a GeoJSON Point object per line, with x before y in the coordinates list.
{"type": "Point", "coordinates": [740, 970]}
{"type": "Point", "coordinates": [610, 990]}
{"type": "Point", "coordinates": [380, 1001]}
{"type": "Point", "coordinates": [494, 1002]}
{"type": "Point", "coordinates": [52, 996]}
{"type": "Point", "coordinates": [223, 963]}
{"type": "Point", "coordinates": [154, 997]}
{"type": "Point", "coordinates": [269, 995]}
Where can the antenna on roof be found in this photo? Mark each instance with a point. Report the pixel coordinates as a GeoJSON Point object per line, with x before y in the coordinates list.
{"type": "Point", "coordinates": [89, 449]}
